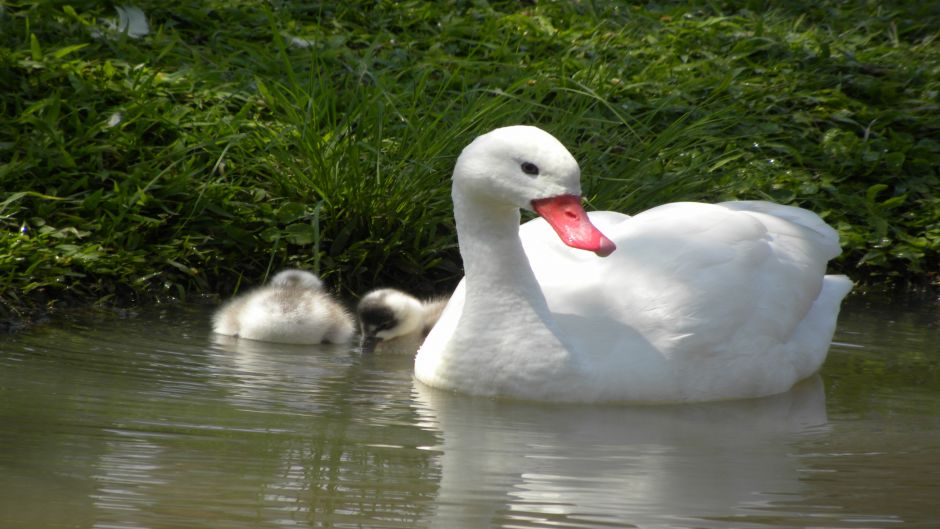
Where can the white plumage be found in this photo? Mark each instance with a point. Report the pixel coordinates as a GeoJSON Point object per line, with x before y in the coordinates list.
{"type": "Point", "coordinates": [393, 321]}
{"type": "Point", "coordinates": [292, 308]}
{"type": "Point", "coordinates": [698, 302]}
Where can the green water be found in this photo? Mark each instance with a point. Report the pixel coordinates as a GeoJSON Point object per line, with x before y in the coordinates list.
{"type": "Point", "coordinates": [143, 420]}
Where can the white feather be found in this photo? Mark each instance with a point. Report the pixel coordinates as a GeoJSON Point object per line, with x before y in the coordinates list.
{"type": "Point", "coordinates": [699, 301]}
{"type": "Point", "coordinates": [132, 21]}
{"type": "Point", "coordinates": [291, 308]}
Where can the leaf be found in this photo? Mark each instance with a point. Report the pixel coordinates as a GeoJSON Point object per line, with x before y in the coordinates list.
{"type": "Point", "coordinates": [894, 201]}
{"type": "Point", "coordinates": [872, 256]}
{"type": "Point", "coordinates": [181, 267]}
{"type": "Point", "coordinates": [894, 160]}
{"type": "Point", "coordinates": [34, 48]}
{"type": "Point", "coordinates": [270, 234]}
{"type": "Point", "coordinates": [290, 212]}
{"type": "Point", "coordinates": [263, 90]}
{"type": "Point", "coordinates": [874, 190]}
{"type": "Point", "coordinates": [14, 197]}
{"type": "Point", "coordinates": [725, 161]}
{"type": "Point", "coordinates": [62, 52]}
{"type": "Point", "coordinates": [301, 234]}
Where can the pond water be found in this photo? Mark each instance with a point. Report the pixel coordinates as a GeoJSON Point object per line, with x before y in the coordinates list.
{"type": "Point", "coordinates": [145, 420]}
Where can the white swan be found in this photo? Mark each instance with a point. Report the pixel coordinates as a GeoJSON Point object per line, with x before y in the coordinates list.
{"type": "Point", "coordinates": [292, 308]}
{"type": "Point", "coordinates": [698, 302]}
{"type": "Point", "coordinates": [392, 321]}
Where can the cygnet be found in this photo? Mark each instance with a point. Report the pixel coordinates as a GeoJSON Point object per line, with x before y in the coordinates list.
{"type": "Point", "coordinates": [392, 321]}
{"type": "Point", "coordinates": [292, 308]}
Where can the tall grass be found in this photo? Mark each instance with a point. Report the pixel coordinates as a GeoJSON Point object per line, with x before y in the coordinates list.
{"type": "Point", "coordinates": [238, 138]}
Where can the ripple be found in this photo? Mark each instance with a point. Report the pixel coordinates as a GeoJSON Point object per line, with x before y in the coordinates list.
{"type": "Point", "coordinates": [146, 419]}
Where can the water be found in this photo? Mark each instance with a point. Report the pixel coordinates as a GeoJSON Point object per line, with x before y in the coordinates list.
{"type": "Point", "coordinates": [142, 420]}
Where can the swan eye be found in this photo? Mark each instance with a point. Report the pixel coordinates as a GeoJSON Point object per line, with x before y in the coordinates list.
{"type": "Point", "coordinates": [530, 168]}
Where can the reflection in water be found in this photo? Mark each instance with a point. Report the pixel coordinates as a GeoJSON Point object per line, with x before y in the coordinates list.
{"type": "Point", "coordinates": [360, 462]}
{"type": "Point", "coordinates": [278, 377]}
{"type": "Point", "coordinates": [148, 421]}
{"type": "Point", "coordinates": [149, 424]}
{"type": "Point", "coordinates": [883, 391]}
{"type": "Point", "coordinates": [648, 466]}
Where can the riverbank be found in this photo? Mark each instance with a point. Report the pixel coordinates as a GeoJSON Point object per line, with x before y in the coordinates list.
{"type": "Point", "coordinates": [223, 142]}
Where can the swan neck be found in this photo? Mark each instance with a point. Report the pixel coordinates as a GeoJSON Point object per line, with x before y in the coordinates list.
{"type": "Point", "coordinates": [504, 316]}
{"type": "Point", "coordinates": [492, 252]}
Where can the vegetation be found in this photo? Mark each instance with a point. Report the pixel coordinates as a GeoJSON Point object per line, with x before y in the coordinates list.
{"type": "Point", "coordinates": [244, 136]}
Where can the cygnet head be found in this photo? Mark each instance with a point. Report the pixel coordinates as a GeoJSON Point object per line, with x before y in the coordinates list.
{"type": "Point", "coordinates": [385, 314]}
{"type": "Point", "coordinates": [293, 278]}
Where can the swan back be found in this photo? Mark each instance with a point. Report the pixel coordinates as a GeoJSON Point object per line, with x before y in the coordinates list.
{"type": "Point", "coordinates": [693, 289]}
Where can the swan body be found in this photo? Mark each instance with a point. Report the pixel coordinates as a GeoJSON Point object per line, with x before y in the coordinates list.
{"type": "Point", "coordinates": [683, 302]}
{"type": "Point", "coordinates": [392, 321]}
{"type": "Point", "coordinates": [292, 308]}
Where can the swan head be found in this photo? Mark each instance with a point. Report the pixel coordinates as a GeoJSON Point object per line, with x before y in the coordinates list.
{"type": "Point", "coordinates": [525, 167]}
{"type": "Point", "coordinates": [515, 165]}
{"type": "Point", "coordinates": [292, 278]}
{"type": "Point", "coordinates": [385, 314]}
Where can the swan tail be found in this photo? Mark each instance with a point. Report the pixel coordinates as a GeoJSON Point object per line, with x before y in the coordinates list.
{"type": "Point", "coordinates": [812, 338]}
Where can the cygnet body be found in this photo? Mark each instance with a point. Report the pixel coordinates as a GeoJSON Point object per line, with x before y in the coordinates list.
{"type": "Point", "coordinates": [392, 321]}
{"type": "Point", "coordinates": [292, 308]}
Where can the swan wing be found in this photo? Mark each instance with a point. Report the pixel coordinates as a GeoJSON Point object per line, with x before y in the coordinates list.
{"type": "Point", "coordinates": [692, 279]}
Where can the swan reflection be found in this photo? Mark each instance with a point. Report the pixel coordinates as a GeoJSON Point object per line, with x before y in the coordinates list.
{"type": "Point", "coordinates": [512, 462]}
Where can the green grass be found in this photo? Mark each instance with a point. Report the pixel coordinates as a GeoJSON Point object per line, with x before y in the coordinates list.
{"type": "Point", "coordinates": [241, 137]}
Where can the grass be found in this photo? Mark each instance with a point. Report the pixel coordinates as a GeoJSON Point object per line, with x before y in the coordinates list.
{"type": "Point", "coordinates": [237, 138]}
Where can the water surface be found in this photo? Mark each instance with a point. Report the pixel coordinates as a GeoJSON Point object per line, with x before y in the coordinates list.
{"type": "Point", "coordinates": [143, 419]}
